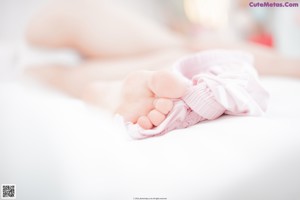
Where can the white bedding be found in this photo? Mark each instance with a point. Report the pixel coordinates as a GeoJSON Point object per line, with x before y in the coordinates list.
{"type": "Point", "coordinates": [56, 147]}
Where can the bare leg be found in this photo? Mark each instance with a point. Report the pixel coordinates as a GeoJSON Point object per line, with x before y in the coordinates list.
{"type": "Point", "coordinates": [98, 29]}
{"type": "Point", "coordinates": [94, 83]}
{"type": "Point", "coordinates": [85, 27]}
{"type": "Point", "coordinates": [266, 60]}
{"type": "Point", "coordinates": [75, 79]}
{"type": "Point", "coordinates": [134, 44]}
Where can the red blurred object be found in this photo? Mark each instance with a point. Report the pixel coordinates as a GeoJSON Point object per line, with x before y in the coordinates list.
{"type": "Point", "coordinates": [264, 39]}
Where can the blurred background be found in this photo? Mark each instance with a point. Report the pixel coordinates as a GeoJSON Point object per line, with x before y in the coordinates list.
{"type": "Point", "coordinates": [43, 150]}
{"type": "Point", "coordinates": [274, 27]}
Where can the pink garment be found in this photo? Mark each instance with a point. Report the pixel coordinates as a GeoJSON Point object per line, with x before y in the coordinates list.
{"type": "Point", "coordinates": [220, 82]}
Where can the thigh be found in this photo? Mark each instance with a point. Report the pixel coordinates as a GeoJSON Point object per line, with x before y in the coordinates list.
{"type": "Point", "coordinates": [98, 28]}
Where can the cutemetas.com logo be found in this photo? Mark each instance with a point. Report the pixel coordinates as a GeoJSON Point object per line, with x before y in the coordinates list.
{"type": "Point", "coordinates": [269, 4]}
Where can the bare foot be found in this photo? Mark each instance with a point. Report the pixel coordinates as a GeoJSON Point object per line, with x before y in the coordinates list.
{"type": "Point", "coordinates": [146, 97]}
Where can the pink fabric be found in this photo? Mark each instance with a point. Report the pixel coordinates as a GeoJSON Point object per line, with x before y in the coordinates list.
{"type": "Point", "coordinates": [220, 82]}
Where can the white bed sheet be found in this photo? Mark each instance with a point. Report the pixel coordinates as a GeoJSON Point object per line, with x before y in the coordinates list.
{"type": "Point", "coordinates": [56, 147]}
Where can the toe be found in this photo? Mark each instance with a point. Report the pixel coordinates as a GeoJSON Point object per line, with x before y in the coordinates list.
{"type": "Point", "coordinates": [156, 117]}
{"type": "Point", "coordinates": [163, 105]}
{"type": "Point", "coordinates": [144, 122]}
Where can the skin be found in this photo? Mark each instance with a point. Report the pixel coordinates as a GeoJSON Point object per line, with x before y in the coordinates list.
{"type": "Point", "coordinates": [116, 55]}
